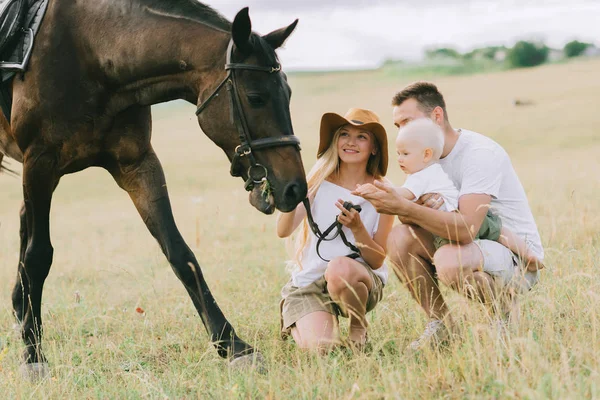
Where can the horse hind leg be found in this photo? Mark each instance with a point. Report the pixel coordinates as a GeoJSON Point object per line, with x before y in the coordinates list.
{"type": "Point", "coordinates": [40, 178]}
{"type": "Point", "coordinates": [146, 186]}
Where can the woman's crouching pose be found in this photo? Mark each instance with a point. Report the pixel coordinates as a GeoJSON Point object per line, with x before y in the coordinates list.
{"type": "Point", "coordinates": [338, 266]}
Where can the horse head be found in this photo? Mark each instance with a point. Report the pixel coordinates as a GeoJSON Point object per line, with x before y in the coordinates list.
{"type": "Point", "coordinates": [251, 120]}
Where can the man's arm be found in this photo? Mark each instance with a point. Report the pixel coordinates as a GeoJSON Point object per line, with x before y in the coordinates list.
{"type": "Point", "coordinates": [482, 178]}
{"type": "Point", "coordinates": [370, 188]}
{"type": "Point", "coordinates": [459, 226]}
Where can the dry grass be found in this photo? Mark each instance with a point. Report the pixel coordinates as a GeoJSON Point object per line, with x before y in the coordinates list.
{"type": "Point", "coordinates": [101, 348]}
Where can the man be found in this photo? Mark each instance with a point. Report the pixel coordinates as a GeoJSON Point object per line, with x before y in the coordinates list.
{"type": "Point", "coordinates": [481, 170]}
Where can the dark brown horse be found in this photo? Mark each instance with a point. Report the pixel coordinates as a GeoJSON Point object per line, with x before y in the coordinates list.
{"type": "Point", "coordinates": [96, 69]}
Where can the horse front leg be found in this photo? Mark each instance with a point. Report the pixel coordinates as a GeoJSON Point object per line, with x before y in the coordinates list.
{"type": "Point", "coordinates": [145, 183]}
{"type": "Point", "coordinates": [21, 289]}
{"type": "Point", "coordinates": [40, 178]}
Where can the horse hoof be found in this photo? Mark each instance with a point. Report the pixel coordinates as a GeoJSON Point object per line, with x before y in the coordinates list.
{"type": "Point", "coordinates": [254, 361]}
{"type": "Point", "coordinates": [35, 372]}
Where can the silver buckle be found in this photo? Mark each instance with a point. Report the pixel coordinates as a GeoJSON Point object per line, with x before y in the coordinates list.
{"type": "Point", "coordinates": [244, 153]}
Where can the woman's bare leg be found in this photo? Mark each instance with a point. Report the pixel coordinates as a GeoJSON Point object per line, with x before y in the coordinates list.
{"type": "Point", "coordinates": [316, 331]}
{"type": "Point", "coordinates": [348, 284]}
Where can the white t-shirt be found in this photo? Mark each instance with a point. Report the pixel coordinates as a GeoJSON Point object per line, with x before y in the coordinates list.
{"type": "Point", "coordinates": [324, 212]}
{"type": "Point", "coordinates": [478, 165]}
{"type": "Point", "coordinates": [433, 179]}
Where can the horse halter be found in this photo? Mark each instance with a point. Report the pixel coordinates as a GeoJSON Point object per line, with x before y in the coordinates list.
{"type": "Point", "coordinates": [257, 173]}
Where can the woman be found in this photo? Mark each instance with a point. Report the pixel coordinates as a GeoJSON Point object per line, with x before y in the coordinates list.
{"type": "Point", "coordinates": [352, 151]}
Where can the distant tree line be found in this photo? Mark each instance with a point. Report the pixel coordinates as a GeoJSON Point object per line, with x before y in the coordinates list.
{"type": "Point", "coordinates": [576, 48]}
{"type": "Point", "coordinates": [522, 54]}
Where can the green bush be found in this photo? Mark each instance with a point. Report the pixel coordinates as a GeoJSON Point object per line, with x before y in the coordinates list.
{"type": "Point", "coordinates": [484, 52]}
{"type": "Point", "coordinates": [443, 52]}
{"type": "Point", "coordinates": [575, 48]}
{"type": "Point", "coordinates": [527, 54]}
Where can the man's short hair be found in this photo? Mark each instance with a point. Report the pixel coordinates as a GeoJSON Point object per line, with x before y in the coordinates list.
{"type": "Point", "coordinates": [426, 94]}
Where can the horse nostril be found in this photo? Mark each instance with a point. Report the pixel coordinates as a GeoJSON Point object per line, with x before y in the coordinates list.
{"type": "Point", "coordinates": [294, 192]}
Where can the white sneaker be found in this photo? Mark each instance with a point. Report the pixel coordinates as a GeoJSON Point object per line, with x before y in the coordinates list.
{"type": "Point", "coordinates": [436, 334]}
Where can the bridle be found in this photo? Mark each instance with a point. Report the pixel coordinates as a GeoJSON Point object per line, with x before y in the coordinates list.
{"type": "Point", "coordinates": [257, 173]}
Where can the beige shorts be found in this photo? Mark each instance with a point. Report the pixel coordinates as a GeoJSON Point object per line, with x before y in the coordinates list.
{"type": "Point", "coordinates": [504, 266]}
{"type": "Point", "coordinates": [297, 302]}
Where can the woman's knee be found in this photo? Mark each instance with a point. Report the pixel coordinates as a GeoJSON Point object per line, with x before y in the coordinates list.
{"type": "Point", "coordinates": [341, 273]}
{"type": "Point", "coordinates": [308, 343]}
{"type": "Point", "coordinates": [316, 331]}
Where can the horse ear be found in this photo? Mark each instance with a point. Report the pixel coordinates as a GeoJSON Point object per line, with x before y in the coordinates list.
{"type": "Point", "coordinates": [241, 30]}
{"type": "Point", "coordinates": [277, 38]}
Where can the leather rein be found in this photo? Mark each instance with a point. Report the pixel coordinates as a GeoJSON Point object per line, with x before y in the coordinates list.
{"type": "Point", "coordinates": [257, 173]}
{"type": "Point", "coordinates": [322, 236]}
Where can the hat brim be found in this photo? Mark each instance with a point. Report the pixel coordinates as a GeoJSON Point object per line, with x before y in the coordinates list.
{"type": "Point", "coordinates": [330, 122]}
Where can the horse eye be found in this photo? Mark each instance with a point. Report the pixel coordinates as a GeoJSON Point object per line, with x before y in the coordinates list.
{"type": "Point", "coordinates": [256, 100]}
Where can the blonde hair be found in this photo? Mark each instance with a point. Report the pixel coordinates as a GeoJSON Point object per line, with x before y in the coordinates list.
{"type": "Point", "coordinates": [327, 164]}
{"type": "Point", "coordinates": [426, 133]}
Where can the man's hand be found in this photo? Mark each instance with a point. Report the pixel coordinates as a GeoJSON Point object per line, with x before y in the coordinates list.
{"type": "Point", "coordinates": [431, 200]}
{"type": "Point", "coordinates": [365, 190]}
{"type": "Point", "coordinates": [383, 197]}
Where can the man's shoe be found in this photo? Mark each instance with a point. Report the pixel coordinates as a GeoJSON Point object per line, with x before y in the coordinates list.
{"type": "Point", "coordinates": [436, 334]}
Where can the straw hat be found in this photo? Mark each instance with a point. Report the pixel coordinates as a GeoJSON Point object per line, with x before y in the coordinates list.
{"type": "Point", "coordinates": [366, 119]}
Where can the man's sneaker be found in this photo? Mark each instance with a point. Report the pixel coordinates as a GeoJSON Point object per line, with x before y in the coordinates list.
{"type": "Point", "coordinates": [436, 334]}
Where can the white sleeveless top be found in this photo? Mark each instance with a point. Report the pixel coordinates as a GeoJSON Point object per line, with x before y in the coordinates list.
{"type": "Point", "coordinates": [324, 212]}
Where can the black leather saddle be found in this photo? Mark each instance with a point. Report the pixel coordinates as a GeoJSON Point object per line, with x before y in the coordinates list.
{"type": "Point", "coordinates": [12, 15]}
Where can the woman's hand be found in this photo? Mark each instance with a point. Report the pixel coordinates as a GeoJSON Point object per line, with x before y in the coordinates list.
{"type": "Point", "coordinates": [349, 218]}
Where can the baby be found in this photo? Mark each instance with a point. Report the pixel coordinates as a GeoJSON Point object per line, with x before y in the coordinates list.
{"type": "Point", "coordinates": [419, 146]}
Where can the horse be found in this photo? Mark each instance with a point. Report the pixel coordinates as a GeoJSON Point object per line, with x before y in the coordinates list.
{"type": "Point", "coordinates": [85, 100]}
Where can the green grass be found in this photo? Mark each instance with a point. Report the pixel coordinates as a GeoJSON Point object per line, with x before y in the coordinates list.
{"type": "Point", "coordinates": [100, 347]}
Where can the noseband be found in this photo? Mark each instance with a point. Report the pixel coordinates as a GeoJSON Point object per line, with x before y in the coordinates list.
{"type": "Point", "coordinates": [257, 173]}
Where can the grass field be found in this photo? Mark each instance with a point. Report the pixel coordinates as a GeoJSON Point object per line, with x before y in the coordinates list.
{"type": "Point", "coordinates": [100, 347]}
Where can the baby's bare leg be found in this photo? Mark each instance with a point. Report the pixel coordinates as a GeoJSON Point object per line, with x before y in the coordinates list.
{"type": "Point", "coordinates": [518, 246]}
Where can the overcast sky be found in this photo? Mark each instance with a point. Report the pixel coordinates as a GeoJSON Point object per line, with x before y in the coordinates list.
{"type": "Point", "coordinates": [363, 33]}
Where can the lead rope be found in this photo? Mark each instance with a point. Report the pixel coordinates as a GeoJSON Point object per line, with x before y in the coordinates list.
{"type": "Point", "coordinates": [322, 236]}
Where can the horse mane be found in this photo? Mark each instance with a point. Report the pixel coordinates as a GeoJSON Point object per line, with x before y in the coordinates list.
{"type": "Point", "coordinates": [191, 10]}
{"type": "Point", "coordinates": [195, 11]}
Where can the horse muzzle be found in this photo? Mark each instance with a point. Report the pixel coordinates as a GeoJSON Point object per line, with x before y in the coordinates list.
{"type": "Point", "coordinates": [262, 199]}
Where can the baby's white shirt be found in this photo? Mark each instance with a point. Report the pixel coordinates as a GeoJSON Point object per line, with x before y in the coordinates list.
{"type": "Point", "coordinates": [433, 179]}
